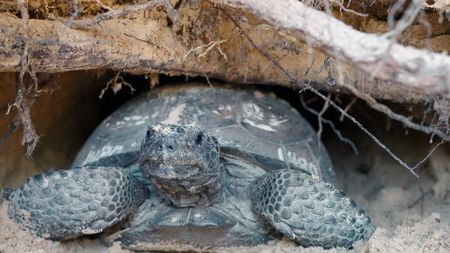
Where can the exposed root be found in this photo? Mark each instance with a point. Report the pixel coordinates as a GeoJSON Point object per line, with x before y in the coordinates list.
{"type": "Point", "coordinates": [116, 84]}
{"type": "Point", "coordinates": [153, 79]}
{"type": "Point", "coordinates": [406, 66]}
{"type": "Point", "coordinates": [206, 48]}
{"type": "Point", "coordinates": [87, 24]}
{"type": "Point", "coordinates": [345, 9]}
{"type": "Point", "coordinates": [23, 102]}
{"type": "Point", "coordinates": [207, 80]}
{"type": "Point", "coordinates": [408, 17]}
{"type": "Point", "coordinates": [331, 124]}
{"type": "Point", "coordinates": [325, 107]}
{"type": "Point", "coordinates": [395, 116]}
{"type": "Point", "coordinates": [347, 108]}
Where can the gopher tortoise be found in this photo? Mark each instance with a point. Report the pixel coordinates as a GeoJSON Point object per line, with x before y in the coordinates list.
{"type": "Point", "coordinates": [198, 168]}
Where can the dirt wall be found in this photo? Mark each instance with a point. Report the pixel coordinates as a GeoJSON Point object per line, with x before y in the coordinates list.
{"type": "Point", "coordinates": [64, 113]}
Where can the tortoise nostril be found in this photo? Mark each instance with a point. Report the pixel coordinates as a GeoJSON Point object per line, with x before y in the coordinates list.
{"type": "Point", "coordinates": [199, 139]}
{"type": "Point", "coordinates": [170, 147]}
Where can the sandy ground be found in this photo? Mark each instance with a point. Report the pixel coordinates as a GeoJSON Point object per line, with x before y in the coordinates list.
{"type": "Point", "coordinates": [391, 196]}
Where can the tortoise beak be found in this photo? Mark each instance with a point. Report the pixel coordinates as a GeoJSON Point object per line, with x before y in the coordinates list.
{"type": "Point", "coordinates": [177, 172]}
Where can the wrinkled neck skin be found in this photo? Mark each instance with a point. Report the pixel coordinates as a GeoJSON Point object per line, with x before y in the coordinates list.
{"type": "Point", "coordinates": [190, 193]}
{"type": "Point", "coordinates": [183, 164]}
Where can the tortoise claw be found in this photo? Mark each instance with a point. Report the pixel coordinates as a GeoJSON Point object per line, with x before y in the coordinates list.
{"type": "Point", "coordinates": [69, 203]}
{"type": "Point", "coordinates": [308, 210]}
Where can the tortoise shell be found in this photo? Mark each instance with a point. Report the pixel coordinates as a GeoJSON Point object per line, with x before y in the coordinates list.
{"type": "Point", "coordinates": [247, 122]}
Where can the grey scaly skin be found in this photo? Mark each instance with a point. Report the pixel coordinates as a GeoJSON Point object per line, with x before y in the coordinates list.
{"type": "Point", "coordinates": [308, 210]}
{"type": "Point", "coordinates": [183, 164]}
{"type": "Point", "coordinates": [67, 204]}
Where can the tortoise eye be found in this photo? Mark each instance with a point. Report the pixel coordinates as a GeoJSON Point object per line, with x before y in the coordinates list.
{"type": "Point", "coordinates": [150, 133]}
{"type": "Point", "coordinates": [199, 139]}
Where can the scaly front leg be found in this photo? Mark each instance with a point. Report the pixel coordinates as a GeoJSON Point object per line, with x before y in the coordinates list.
{"type": "Point", "coordinates": [308, 210]}
{"type": "Point", "coordinates": [69, 203]}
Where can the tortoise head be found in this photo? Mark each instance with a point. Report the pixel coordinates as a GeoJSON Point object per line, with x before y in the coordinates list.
{"type": "Point", "coordinates": [183, 163]}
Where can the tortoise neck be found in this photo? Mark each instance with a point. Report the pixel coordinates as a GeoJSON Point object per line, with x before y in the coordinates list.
{"type": "Point", "coordinates": [192, 192]}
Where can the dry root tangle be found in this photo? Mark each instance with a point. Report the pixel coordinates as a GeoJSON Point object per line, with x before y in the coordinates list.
{"type": "Point", "coordinates": [215, 38]}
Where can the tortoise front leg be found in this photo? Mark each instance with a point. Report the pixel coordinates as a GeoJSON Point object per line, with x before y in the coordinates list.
{"type": "Point", "coordinates": [69, 203]}
{"type": "Point", "coordinates": [308, 210]}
